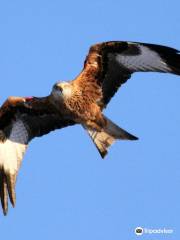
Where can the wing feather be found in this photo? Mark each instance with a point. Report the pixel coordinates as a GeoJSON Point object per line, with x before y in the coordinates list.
{"type": "Point", "coordinates": [110, 64]}
{"type": "Point", "coordinates": [3, 192]}
{"type": "Point", "coordinates": [20, 122]}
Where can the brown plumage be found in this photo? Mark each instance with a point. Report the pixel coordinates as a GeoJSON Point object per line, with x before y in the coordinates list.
{"type": "Point", "coordinates": [80, 101]}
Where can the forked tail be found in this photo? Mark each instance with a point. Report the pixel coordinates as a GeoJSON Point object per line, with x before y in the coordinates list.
{"type": "Point", "coordinates": [104, 139]}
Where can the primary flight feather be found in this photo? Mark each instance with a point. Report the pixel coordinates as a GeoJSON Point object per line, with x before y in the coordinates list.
{"type": "Point", "coordinates": [80, 101]}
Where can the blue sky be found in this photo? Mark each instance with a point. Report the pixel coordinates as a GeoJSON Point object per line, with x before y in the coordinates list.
{"type": "Point", "coordinates": [64, 189]}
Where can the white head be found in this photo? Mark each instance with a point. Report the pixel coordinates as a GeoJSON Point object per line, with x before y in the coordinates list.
{"type": "Point", "coordinates": [62, 90]}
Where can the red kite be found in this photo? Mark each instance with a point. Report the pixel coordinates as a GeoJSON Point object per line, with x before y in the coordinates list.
{"type": "Point", "coordinates": [80, 101]}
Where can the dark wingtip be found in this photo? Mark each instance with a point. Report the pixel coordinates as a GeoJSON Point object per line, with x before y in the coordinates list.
{"type": "Point", "coordinates": [3, 192]}
{"type": "Point", "coordinates": [170, 55]}
{"type": "Point", "coordinates": [5, 211]}
{"type": "Point", "coordinates": [173, 62]}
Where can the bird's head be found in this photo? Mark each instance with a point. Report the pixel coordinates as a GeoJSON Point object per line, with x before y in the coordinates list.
{"type": "Point", "coordinates": [62, 90]}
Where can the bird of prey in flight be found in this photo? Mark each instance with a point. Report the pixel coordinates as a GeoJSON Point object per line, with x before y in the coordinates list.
{"type": "Point", "coordinates": [108, 65]}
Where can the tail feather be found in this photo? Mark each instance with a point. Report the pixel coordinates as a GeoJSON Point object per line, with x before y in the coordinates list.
{"type": "Point", "coordinates": [117, 132]}
{"type": "Point", "coordinates": [104, 139]}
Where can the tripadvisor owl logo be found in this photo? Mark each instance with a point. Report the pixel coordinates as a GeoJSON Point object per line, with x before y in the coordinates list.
{"type": "Point", "coordinates": [139, 231]}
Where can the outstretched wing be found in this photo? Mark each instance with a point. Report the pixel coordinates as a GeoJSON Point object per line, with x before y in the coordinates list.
{"type": "Point", "coordinates": [21, 120]}
{"type": "Point", "coordinates": [110, 64]}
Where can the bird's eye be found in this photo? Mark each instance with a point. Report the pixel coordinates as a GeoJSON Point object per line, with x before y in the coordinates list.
{"type": "Point", "coordinates": [58, 88]}
{"type": "Point", "coordinates": [55, 87]}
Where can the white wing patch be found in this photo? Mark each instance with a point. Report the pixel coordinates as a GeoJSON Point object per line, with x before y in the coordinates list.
{"type": "Point", "coordinates": [147, 60]}
{"type": "Point", "coordinates": [13, 149]}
